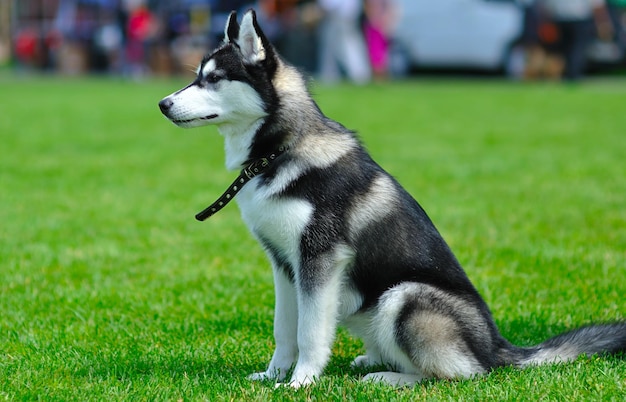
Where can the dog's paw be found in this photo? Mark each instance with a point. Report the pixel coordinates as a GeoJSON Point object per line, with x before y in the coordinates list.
{"type": "Point", "coordinates": [295, 384]}
{"type": "Point", "coordinates": [362, 361]}
{"type": "Point", "coordinates": [262, 376]}
{"type": "Point", "coordinates": [393, 379]}
{"type": "Point", "coordinates": [269, 375]}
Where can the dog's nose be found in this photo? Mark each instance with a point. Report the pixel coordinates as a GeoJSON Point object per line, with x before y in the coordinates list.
{"type": "Point", "coordinates": [165, 105]}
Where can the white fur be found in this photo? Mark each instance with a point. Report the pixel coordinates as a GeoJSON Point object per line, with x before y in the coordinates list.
{"type": "Point", "coordinates": [322, 152]}
{"type": "Point", "coordinates": [278, 221]}
{"type": "Point", "coordinates": [208, 68]}
{"type": "Point", "coordinates": [372, 206]}
{"type": "Point", "coordinates": [318, 313]}
{"type": "Point", "coordinates": [237, 140]}
{"type": "Point", "coordinates": [281, 222]}
{"type": "Point", "coordinates": [233, 102]}
{"type": "Point", "coordinates": [350, 301]}
{"type": "Point", "coordinates": [383, 326]}
{"type": "Point", "coordinates": [285, 329]}
{"type": "Point", "coordinates": [560, 354]}
{"type": "Point", "coordinates": [393, 378]}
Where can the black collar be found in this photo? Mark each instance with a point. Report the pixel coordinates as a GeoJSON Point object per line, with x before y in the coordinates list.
{"type": "Point", "coordinates": [253, 169]}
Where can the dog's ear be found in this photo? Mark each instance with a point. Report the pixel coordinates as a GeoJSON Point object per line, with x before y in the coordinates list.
{"type": "Point", "coordinates": [253, 43]}
{"type": "Point", "coordinates": [231, 31]}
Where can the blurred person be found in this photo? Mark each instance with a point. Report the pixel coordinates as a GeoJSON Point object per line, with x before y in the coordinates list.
{"type": "Point", "coordinates": [532, 59]}
{"type": "Point", "coordinates": [342, 46]}
{"type": "Point", "coordinates": [139, 28]}
{"type": "Point", "coordinates": [616, 14]}
{"type": "Point", "coordinates": [291, 25]}
{"type": "Point", "coordinates": [27, 47]}
{"type": "Point", "coordinates": [275, 15]}
{"type": "Point", "coordinates": [84, 36]}
{"type": "Point", "coordinates": [380, 16]}
{"type": "Point", "coordinates": [575, 20]}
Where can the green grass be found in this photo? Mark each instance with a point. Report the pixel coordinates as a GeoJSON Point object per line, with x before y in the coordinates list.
{"type": "Point", "coordinates": [110, 290]}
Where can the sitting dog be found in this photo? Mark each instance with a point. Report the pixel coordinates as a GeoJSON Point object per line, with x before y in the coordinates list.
{"type": "Point", "coordinates": [348, 245]}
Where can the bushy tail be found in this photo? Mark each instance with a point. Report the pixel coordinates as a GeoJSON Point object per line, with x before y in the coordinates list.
{"type": "Point", "coordinates": [590, 340]}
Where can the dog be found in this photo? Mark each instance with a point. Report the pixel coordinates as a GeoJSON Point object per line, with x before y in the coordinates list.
{"type": "Point", "coordinates": [348, 245]}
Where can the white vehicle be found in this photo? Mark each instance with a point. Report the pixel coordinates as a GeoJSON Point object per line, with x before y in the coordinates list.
{"type": "Point", "coordinates": [477, 34]}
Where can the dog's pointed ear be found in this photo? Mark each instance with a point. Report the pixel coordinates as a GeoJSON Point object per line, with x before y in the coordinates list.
{"type": "Point", "coordinates": [253, 43]}
{"type": "Point", "coordinates": [231, 31]}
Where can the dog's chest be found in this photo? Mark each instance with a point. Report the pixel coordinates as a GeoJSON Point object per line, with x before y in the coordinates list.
{"type": "Point", "coordinates": [275, 219]}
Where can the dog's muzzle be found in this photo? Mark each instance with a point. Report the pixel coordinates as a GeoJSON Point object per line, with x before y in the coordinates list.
{"type": "Point", "coordinates": [166, 106]}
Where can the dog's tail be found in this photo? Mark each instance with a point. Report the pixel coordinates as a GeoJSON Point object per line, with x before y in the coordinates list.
{"type": "Point", "coordinates": [590, 340]}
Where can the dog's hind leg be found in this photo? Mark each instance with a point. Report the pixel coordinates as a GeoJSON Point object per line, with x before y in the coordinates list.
{"type": "Point", "coordinates": [394, 379]}
{"type": "Point", "coordinates": [285, 329]}
{"type": "Point", "coordinates": [372, 356]}
{"type": "Point", "coordinates": [369, 359]}
{"type": "Point", "coordinates": [427, 332]}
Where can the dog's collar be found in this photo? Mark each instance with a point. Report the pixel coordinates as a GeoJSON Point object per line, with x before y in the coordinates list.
{"type": "Point", "coordinates": [255, 168]}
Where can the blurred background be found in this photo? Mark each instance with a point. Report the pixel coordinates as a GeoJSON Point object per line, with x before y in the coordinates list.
{"type": "Point", "coordinates": [357, 40]}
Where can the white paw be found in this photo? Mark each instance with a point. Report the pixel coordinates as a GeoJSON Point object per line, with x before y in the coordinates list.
{"type": "Point", "coordinates": [295, 384]}
{"type": "Point", "coordinates": [362, 361]}
{"type": "Point", "coordinates": [394, 379]}
{"type": "Point", "coordinates": [269, 375]}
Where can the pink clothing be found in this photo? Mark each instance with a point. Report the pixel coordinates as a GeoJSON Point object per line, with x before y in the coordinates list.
{"type": "Point", "coordinates": [377, 46]}
{"type": "Point", "coordinates": [380, 19]}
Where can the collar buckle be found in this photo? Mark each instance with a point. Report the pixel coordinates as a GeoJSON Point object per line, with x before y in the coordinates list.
{"type": "Point", "coordinates": [256, 167]}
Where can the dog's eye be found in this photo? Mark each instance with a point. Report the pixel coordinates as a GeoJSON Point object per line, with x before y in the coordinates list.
{"type": "Point", "coordinates": [212, 78]}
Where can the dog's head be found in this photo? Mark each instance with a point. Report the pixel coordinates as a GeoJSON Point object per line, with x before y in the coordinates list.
{"type": "Point", "coordinates": [233, 83]}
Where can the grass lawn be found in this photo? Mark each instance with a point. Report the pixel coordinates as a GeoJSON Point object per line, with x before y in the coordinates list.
{"type": "Point", "coordinates": [110, 290]}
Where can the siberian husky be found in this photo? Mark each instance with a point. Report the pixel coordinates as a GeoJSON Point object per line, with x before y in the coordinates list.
{"type": "Point", "coordinates": [348, 245]}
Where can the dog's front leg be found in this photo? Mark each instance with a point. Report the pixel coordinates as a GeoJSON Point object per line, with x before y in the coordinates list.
{"type": "Point", "coordinates": [285, 329]}
{"type": "Point", "coordinates": [318, 299]}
